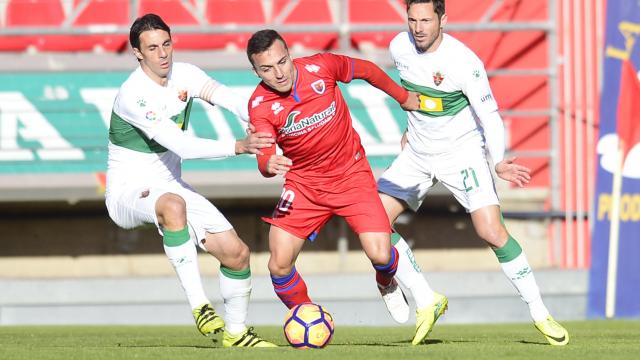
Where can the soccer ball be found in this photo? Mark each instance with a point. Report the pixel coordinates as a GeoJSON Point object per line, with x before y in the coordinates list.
{"type": "Point", "coordinates": [308, 326]}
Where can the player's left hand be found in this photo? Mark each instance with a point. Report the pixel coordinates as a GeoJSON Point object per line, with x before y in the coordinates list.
{"type": "Point", "coordinates": [510, 171]}
{"type": "Point", "coordinates": [412, 103]}
{"type": "Point", "coordinates": [278, 164]}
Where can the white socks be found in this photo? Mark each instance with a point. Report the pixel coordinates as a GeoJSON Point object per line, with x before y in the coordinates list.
{"type": "Point", "coordinates": [410, 276]}
{"type": "Point", "coordinates": [521, 276]}
{"type": "Point", "coordinates": [184, 259]}
{"type": "Point", "coordinates": [235, 288]}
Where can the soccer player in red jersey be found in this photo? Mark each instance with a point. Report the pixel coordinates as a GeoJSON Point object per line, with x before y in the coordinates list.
{"type": "Point", "coordinates": [299, 102]}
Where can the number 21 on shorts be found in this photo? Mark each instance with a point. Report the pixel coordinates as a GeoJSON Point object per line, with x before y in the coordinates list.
{"type": "Point", "coordinates": [467, 183]}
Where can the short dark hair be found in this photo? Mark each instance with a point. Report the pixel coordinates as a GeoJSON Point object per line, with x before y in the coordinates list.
{"type": "Point", "coordinates": [262, 40]}
{"type": "Point", "coordinates": [146, 23]}
{"type": "Point", "coordinates": [438, 5]}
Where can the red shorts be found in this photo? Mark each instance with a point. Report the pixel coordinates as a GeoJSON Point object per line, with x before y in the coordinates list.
{"type": "Point", "coordinates": [302, 210]}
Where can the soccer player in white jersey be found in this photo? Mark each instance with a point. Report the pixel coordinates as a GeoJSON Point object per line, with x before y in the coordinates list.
{"type": "Point", "coordinates": [445, 141]}
{"type": "Point", "coordinates": [147, 143]}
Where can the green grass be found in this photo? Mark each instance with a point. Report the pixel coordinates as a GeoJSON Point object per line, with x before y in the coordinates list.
{"type": "Point", "coordinates": [589, 340]}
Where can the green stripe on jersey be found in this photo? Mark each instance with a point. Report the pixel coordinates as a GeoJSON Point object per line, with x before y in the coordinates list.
{"type": "Point", "coordinates": [124, 134]}
{"type": "Point", "coordinates": [436, 103]}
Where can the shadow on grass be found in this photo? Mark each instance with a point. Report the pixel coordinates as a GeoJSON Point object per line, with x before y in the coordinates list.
{"type": "Point", "coordinates": [532, 342]}
{"type": "Point", "coordinates": [169, 346]}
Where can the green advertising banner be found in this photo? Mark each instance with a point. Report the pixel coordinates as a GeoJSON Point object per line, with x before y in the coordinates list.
{"type": "Point", "coordinates": [58, 122]}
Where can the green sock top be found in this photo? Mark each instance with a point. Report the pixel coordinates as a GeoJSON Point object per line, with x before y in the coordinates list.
{"type": "Point", "coordinates": [175, 238]}
{"type": "Point", "coordinates": [509, 251]}
{"type": "Point", "coordinates": [235, 274]}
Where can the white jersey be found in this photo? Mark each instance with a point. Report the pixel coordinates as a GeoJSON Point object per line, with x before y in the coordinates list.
{"type": "Point", "coordinates": [140, 110]}
{"type": "Point", "coordinates": [451, 80]}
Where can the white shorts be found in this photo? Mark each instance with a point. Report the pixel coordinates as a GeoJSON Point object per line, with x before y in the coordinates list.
{"type": "Point", "coordinates": [464, 172]}
{"type": "Point", "coordinates": [129, 209]}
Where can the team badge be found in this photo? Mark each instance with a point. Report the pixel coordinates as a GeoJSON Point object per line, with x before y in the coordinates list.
{"type": "Point", "coordinates": [182, 95]}
{"type": "Point", "coordinates": [438, 77]}
{"type": "Point", "coordinates": [318, 86]}
{"type": "Point", "coordinates": [151, 115]}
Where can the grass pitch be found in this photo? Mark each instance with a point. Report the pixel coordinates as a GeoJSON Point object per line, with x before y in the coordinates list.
{"type": "Point", "coordinates": [589, 340]}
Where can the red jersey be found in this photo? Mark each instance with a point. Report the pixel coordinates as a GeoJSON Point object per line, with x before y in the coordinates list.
{"type": "Point", "coordinates": [311, 123]}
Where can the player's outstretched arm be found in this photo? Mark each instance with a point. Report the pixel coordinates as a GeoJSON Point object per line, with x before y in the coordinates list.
{"type": "Point", "coordinates": [510, 171]}
{"type": "Point", "coordinates": [216, 93]}
{"type": "Point", "coordinates": [374, 75]}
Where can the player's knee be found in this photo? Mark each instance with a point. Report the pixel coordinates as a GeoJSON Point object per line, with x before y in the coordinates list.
{"type": "Point", "coordinates": [494, 235]}
{"type": "Point", "coordinates": [380, 257]}
{"type": "Point", "coordinates": [243, 253]}
{"type": "Point", "coordinates": [279, 268]}
{"type": "Point", "coordinates": [172, 210]}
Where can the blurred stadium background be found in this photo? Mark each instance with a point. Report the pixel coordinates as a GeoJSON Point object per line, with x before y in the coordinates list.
{"type": "Point", "coordinates": [62, 261]}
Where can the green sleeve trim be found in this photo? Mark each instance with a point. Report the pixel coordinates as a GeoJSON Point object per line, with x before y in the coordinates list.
{"type": "Point", "coordinates": [509, 251]}
{"type": "Point", "coordinates": [124, 134]}
{"type": "Point", "coordinates": [395, 237]}
{"type": "Point", "coordinates": [235, 274]}
{"type": "Point", "coordinates": [436, 103]}
{"type": "Point", "coordinates": [175, 238]}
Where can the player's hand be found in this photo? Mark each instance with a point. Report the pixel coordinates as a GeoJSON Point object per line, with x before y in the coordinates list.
{"type": "Point", "coordinates": [404, 140]}
{"type": "Point", "coordinates": [254, 142]}
{"type": "Point", "coordinates": [510, 171]}
{"type": "Point", "coordinates": [412, 103]}
{"type": "Point", "coordinates": [250, 129]}
{"type": "Point", "coordinates": [278, 164]}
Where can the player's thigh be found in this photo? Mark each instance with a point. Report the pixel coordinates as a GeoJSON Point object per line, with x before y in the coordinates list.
{"type": "Point", "coordinates": [359, 204]}
{"type": "Point", "coordinates": [299, 213]}
{"type": "Point", "coordinates": [204, 218]}
{"type": "Point", "coordinates": [409, 178]}
{"type": "Point", "coordinates": [467, 175]}
{"type": "Point", "coordinates": [134, 207]}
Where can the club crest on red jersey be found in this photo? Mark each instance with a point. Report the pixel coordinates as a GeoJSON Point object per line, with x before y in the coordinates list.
{"type": "Point", "coordinates": [318, 86]}
{"type": "Point", "coordinates": [438, 77]}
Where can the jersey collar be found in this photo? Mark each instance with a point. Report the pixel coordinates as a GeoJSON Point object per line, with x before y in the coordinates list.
{"type": "Point", "coordinates": [294, 91]}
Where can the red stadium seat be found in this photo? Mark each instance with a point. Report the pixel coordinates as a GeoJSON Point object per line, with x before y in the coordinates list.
{"type": "Point", "coordinates": [235, 12]}
{"type": "Point", "coordinates": [34, 13]}
{"type": "Point", "coordinates": [171, 11]}
{"type": "Point", "coordinates": [378, 12]}
{"type": "Point", "coordinates": [103, 12]}
{"type": "Point", "coordinates": [305, 12]}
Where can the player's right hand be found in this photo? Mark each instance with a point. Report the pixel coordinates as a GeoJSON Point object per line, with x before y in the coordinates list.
{"type": "Point", "coordinates": [412, 103]}
{"type": "Point", "coordinates": [254, 142]}
{"type": "Point", "coordinates": [278, 164]}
